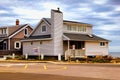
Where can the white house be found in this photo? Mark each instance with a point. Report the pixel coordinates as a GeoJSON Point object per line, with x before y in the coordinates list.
{"type": "Point", "coordinates": [54, 36]}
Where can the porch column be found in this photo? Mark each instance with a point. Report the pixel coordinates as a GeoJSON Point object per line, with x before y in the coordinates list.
{"type": "Point", "coordinates": [68, 50]}
{"type": "Point", "coordinates": [68, 45]}
{"type": "Point", "coordinates": [8, 43]}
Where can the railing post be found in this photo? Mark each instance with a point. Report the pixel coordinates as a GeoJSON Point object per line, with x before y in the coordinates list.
{"type": "Point", "coordinates": [59, 57]}
{"type": "Point", "coordinates": [42, 56]}
{"type": "Point", "coordinates": [13, 56]}
{"type": "Point", "coordinates": [26, 56]}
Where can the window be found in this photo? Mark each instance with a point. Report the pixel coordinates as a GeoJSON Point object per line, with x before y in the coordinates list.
{"type": "Point", "coordinates": [3, 31]}
{"type": "Point", "coordinates": [17, 45]}
{"type": "Point", "coordinates": [26, 31]}
{"type": "Point", "coordinates": [102, 44]}
{"type": "Point", "coordinates": [76, 28]}
{"type": "Point", "coordinates": [69, 28]}
{"type": "Point", "coordinates": [43, 28]}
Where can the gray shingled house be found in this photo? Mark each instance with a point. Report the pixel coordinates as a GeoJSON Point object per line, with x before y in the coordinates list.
{"type": "Point", "coordinates": [54, 36]}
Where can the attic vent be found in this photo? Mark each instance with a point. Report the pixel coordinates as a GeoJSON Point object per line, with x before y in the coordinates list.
{"type": "Point", "coordinates": [90, 35]}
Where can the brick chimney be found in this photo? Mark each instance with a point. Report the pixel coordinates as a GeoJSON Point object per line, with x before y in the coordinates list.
{"type": "Point", "coordinates": [17, 21]}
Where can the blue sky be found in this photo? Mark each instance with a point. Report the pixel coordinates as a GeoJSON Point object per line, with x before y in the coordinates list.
{"type": "Point", "coordinates": [104, 15]}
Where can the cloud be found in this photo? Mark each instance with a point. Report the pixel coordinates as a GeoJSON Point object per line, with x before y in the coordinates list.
{"type": "Point", "coordinates": [107, 27]}
{"type": "Point", "coordinates": [114, 48]}
{"type": "Point", "coordinates": [99, 2]}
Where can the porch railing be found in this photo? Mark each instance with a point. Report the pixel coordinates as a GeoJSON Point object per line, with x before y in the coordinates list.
{"type": "Point", "coordinates": [10, 52]}
{"type": "Point", "coordinates": [74, 53]}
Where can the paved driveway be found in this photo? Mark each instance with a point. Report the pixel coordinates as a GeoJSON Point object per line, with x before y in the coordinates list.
{"type": "Point", "coordinates": [91, 71]}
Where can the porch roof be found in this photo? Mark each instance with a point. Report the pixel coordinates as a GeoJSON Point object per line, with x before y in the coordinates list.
{"type": "Point", "coordinates": [82, 37]}
{"type": "Point", "coordinates": [1, 39]}
{"type": "Point", "coordinates": [37, 37]}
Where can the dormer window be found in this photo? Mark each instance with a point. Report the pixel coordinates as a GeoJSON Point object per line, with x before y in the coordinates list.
{"type": "Point", "coordinates": [26, 31]}
{"type": "Point", "coordinates": [43, 28]}
{"type": "Point", "coordinates": [4, 31]}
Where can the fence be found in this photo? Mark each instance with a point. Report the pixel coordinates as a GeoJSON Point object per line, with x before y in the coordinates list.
{"type": "Point", "coordinates": [10, 52]}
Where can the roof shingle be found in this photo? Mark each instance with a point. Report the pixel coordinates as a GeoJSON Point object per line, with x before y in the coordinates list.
{"type": "Point", "coordinates": [84, 37]}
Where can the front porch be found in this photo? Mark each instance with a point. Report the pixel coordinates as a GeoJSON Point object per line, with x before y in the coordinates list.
{"type": "Point", "coordinates": [74, 49]}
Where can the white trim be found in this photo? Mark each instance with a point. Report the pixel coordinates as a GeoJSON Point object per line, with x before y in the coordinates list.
{"type": "Point", "coordinates": [18, 31]}
{"type": "Point", "coordinates": [7, 31]}
{"type": "Point", "coordinates": [27, 31]}
{"type": "Point", "coordinates": [36, 39]}
{"type": "Point", "coordinates": [66, 37]}
{"type": "Point", "coordinates": [16, 43]}
{"type": "Point", "coordinates": [8, 43]}
{"type": "Point", "coordinates": [102, 44]}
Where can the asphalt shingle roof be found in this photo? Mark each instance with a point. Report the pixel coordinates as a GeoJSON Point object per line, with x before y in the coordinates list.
{"type": "Point", "coordinates": [49, 21]}
{"type": "Point", "coordinates": [39, 37]}
{"type": "Point", "coordinates": [84, 37]}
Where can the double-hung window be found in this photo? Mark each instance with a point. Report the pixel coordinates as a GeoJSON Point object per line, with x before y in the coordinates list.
{"type": "Point", "coordinates": [43, 28]}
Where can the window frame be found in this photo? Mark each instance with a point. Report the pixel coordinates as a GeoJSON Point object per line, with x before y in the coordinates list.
{"type": "Point", "coordinates": [4, 31]}
{"type": "Point", "coordinates": [42, 29]}
{"type": "Point", "coordinates": [15, 44]}
{"type": "Point", "coordinates": [102, 44]}
{"type": "Point", "coordinates": [26, 30]}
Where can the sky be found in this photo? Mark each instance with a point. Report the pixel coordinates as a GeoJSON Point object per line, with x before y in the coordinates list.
{"type": "Point", "coordinates": [104, 15]}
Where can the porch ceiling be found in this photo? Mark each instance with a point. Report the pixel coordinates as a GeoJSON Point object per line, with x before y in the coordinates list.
{"type": "Point", "coordinates": [82, 37]}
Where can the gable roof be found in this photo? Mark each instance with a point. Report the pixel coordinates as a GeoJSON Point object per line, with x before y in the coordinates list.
{"type": "Point", "coordinates": [13, 30]}
{"type": "Point", "coordinates": [49, 21]}
{"type": "Point", "coordinates": [83, 37]}
{"type": "Point", "coordinates": [38, 37]}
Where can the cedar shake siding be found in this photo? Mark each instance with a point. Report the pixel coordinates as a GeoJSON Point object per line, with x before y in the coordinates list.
{"type": "Point", "coordinates": [12, 35]}
{"type": "Point", "coordinates": [38, 30]}
{"type": "Point", "coordinates": [94, 48]}
{"type": "Point", "coordinates": [62, 36]}
{"type": "Point", "coordinates": [43, 45]}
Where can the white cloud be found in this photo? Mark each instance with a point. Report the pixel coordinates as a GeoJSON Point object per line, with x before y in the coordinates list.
{"type": "Point", "coordinates": [117, 8]}
{"type": "Point", "coordinates": [114, 48]}
{"type": "Point", "coordinates": [107, 27]}
{"type": "Point", "coordinates": [100, 1]}
{"type": "Point", "coordinates": [30, 13]}
{"type": "Point", "coordinates": [3, 11]}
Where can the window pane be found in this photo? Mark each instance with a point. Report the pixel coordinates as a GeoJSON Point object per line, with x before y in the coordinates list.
{"type": "Point", "coordinates": [43, 28]}
{"type": "Point", "coordinates": [102, 43]}
{"type": "Point", "coordinates": [17, 44]}
{"type": "Point", "coordinates": [26, 31]}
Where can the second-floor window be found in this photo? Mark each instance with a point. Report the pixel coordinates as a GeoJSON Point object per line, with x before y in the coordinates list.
{"type": "Point", "coordinates": [43, 28]}
{"type": "Point", "coordinates": [4, 31]}
{"type": "Point", "coordinates": [76, 28]}
{"type": "Point", "coordinates": [26, 31]}
{"type": "Point", "coordinates": [81, 28]}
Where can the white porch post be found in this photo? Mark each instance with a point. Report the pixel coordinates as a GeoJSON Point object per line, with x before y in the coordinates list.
{"type": "Point", "coordinates": [68, 45]}
{"type": "Point", "coordinates": [66, 54]}
{"type": "Point", "coordinates": [8, 43]}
